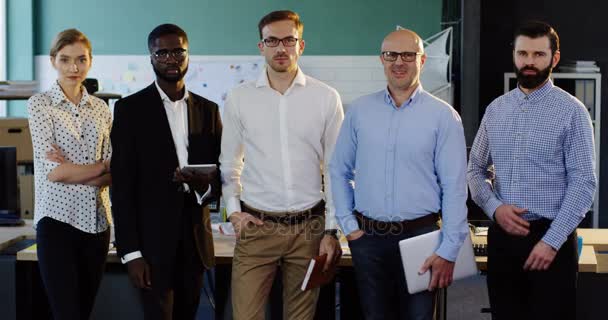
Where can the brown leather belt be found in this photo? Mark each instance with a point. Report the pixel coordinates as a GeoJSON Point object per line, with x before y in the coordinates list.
{"type": "Point", "coordinates": [377, 227]}
{"type": "Point", "coordinates": [286, 217]}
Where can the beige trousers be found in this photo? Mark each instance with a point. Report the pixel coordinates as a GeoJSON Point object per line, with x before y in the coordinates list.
{"type": "Point", "coordinates": [259, 251]}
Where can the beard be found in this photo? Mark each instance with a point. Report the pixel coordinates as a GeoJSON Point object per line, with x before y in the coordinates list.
{"type": "Point", "coordinates": [532, 81]}
{"type": "Point", "coordinates": [170, 78]}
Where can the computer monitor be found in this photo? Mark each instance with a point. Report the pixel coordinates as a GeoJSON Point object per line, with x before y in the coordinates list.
{"type": "Point", "coordinates": [10, 210]}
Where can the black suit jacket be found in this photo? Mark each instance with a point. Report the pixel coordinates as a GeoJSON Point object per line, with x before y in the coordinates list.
{"type": "Point", "coordinates": [146, 203]}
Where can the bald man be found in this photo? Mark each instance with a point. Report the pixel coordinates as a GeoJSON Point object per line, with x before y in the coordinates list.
{"type": "Point", "coordinates": [404, 149]}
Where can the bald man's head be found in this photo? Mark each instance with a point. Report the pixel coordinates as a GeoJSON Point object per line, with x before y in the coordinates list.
{"type": "Point", "coordinates": [403, 40]}
{"type": "Point", "coordinates": [402, 57]}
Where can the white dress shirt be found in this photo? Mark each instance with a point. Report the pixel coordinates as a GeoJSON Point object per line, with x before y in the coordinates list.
{"type": "Point", "coordinates": [287, 140]}
{"type": "Point", "coordinates": [82, 132]}
{"type": "Point", "coordinates": [177, 115]}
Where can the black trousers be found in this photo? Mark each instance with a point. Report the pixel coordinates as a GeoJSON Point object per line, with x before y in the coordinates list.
{"type": "Point", "coordinates": [518, 294]}
{"type": "Point", "coordinates": [180, 300]}
{"type": "Point", "coordinates": [71, 265]}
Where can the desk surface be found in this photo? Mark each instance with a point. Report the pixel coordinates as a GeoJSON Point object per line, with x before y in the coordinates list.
{"type": "Point", "coordinates": [598, 238]}
{"type": "Point", "coordinates": [11, 235]}
{"type": "Point", "coordinates": [224, 247]}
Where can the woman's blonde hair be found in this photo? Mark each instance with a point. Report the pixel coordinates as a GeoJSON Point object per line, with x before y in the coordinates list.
{"type": "Point", "coordinates": [68, 37]}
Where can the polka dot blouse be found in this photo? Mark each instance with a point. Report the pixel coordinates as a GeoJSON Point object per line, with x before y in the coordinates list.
{"type": "Point", "coordinates": [83, 133]}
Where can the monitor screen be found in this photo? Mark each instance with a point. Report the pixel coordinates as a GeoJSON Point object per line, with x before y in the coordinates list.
{"type": "Point", "coordinates": [9, 190]}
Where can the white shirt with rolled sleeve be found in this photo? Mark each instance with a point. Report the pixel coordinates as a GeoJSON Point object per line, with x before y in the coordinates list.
{"type": "Point", "coordinates": [287, 141]}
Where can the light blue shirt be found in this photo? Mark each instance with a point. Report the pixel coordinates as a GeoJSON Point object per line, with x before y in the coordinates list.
{"type": "Point", "coordinates": [542, 152]}
{"type": "Point", "coordinates": [401, 163]}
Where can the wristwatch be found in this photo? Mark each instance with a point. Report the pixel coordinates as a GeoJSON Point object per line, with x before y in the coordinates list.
{"type": "Point", "coordinates": [331, 232]}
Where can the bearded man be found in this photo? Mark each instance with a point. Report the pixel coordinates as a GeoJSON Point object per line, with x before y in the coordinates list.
{"type": "Point", "coordinates": [538, 141]}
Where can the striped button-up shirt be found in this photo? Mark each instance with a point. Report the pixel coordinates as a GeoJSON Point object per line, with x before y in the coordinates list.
{"type": "Point", "coordinates": [542, 152]}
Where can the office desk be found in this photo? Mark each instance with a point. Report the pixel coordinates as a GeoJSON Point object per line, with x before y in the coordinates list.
{"type": "Point", "coordinates": [598, 238]}
{"type": "Point", "coordinates": [11, 235]}
{"type": "Point", "coordinates": [224, 248]}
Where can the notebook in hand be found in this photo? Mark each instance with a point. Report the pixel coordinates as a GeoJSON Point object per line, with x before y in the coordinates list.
{"type": "Point", "coordinates": [315, 277]}
{"type": "Point", "coordinates": [415, 250]}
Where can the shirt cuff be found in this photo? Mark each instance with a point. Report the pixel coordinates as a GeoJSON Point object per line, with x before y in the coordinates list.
{"type": "Point", "coordinates": [554, 238]}
{"type": "Point", "coordinates": [447, 251]}
{"type": "Point", "coordinates": [233, 204]}
{"type": "Point", "coordinates": [348, 223]}
{"type": "Point", "coordinates": [130, 257]}
{"type": "Point", "coordinates": [490, 207]}
{"type": "Point", "coordinates": [200, 198]}
{"type": "Point", "coordinates": [330, 220]}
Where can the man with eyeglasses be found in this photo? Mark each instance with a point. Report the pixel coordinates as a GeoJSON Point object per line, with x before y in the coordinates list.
{"type": "Point", "coordinates": [399, 164]}
{"type": "Point", "coordinates": [278, 137]}
{"type": "Point", "coordinates": [162, 224]}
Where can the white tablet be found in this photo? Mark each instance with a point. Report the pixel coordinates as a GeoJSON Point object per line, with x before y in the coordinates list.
{"type": "Point", "coordinates": [415, 250]}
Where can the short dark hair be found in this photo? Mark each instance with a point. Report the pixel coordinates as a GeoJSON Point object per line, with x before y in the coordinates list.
{"type": "Point", "coordinates": [536, 29]}
{"type": "Point", "coordinates": [163, 30]}
{"type": "Point", "coordinates": [280, 16]}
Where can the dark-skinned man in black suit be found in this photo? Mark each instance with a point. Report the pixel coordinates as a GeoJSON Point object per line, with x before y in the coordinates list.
{"type": "Point", "coordinates": [163, 233]}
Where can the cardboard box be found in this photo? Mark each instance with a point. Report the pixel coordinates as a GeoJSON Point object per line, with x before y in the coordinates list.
{"type": "Point", "coordinates": [16, 132]}
{"type": "Point", "coordinates": [26, 194]}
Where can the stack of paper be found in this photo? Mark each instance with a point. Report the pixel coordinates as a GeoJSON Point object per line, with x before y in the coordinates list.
{"type": "Point", "coordinates": [578, 66]}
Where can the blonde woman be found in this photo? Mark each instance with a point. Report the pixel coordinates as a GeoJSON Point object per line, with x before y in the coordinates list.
{"type": "Point", "coordinates": [70, 134]}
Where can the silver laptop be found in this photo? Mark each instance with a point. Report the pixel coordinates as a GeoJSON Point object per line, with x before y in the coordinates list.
{"type": "Point", "coordinates": [415, 250]}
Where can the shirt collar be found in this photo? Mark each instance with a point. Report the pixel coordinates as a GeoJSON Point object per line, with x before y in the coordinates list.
{"type": "Point", "coordinates": [263, 81]}
{"type": "Point", "coordinates": [413, 98]}
{"type": "Point", "coordinates": [536, 94]}
{"type": "Point", "coordinates": [165, 97]}
{"type": "Point", "coordinates": [57, 95]}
